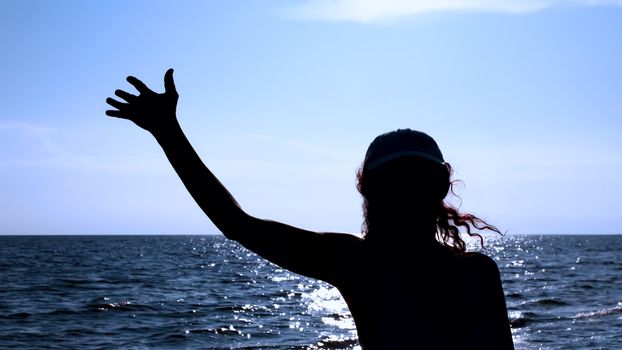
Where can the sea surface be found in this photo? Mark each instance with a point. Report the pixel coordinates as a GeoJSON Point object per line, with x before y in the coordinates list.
{"type": "Point", "coordinates": [204, 292]}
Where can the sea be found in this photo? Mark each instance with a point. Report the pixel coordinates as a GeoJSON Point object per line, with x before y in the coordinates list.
{"type": "Point", "coordinates": [205, 292]}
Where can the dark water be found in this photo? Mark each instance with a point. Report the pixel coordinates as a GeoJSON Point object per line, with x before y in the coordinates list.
{"type": "Point", "coordinates": [202, 292]}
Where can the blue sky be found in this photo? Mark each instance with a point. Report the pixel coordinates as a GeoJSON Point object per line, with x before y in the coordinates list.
{"type": "Point", "coordinates": [281, 99]}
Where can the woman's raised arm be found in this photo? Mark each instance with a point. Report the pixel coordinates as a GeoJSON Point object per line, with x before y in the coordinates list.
{"type": "Point", "coordinates": [309, 253]}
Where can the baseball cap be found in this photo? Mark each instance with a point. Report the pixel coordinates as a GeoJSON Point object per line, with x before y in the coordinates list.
{"type": "Point", "coordinates": [401, 143]}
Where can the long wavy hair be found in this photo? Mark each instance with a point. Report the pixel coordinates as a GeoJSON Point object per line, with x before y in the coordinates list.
{"type": "Point", "coordinates": [449, 219]}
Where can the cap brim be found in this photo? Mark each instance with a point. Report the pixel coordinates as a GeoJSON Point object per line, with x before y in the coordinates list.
{"type": "Point", "coordinates": [389, 157]}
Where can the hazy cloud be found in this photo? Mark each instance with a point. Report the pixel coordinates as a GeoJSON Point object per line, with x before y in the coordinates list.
{"type": "Point", "coordinates": [282, 147]}
{"type": "Point", "coordinates": [368, 11]}
{"type": "Point", "coordinates": [33, 145]}
{"type": "Point", "coordinates": [19, 138]}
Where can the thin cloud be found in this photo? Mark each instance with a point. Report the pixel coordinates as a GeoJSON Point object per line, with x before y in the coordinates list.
{"type": "Point", "coordinates": [33, 145]}
{"type": "Point", "coordinates": [368, 11]}
{"type": "Point", "coordinates": [26, 127]}
{"type": "Point", "coordinates": [296, 146]}
{"type": "Point", "coordinates": [38, 136]}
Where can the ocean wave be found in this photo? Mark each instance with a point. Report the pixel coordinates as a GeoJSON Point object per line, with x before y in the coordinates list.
{"type": "Point", "coordinates": [515, 295]}
{"type": "Point", "coordinates": [599, 313]}
{"type": "Point", "coordinates": [519, 319]}
{"type": "Point", "coordinates": [63, 311]}
{"type": "Point", "coordinates": [547, 302]}
{"type": "Point", "coordinates": [121, 306]}
{"type": "Point", "coordinates": [340, 343]}
{"type": "Point", "coordinates": [17, 315]}
{"type": "Point", "coordinates": [586, 286]}
{"type": "Point", "coordinates": [226, 330]}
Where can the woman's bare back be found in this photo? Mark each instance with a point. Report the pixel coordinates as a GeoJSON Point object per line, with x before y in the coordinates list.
{"type": "Point", "coordinates": [430, 296]}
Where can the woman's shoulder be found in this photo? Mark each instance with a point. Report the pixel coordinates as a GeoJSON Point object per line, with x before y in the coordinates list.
{"type": "Point", "coordinates": [481, 263]}
{"type": "Point", "coordinates": [480, 258]}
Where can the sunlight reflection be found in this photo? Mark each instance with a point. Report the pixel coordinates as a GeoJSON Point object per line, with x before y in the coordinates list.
{"type": "Point", "coordinates": [328, 301]}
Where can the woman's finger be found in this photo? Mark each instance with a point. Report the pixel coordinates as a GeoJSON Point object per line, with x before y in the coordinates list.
{"type": "Point", "coordinates": [139, 85]}
{"type": "Point", "coordinates": [115, 113]}
{"type": "Point", "coordinates": [116, 104]}
{"type": "Point", "coordinates": [125, 95]}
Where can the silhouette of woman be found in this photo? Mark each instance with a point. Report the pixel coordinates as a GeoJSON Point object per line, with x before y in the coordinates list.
{"type": "Point", "coordinates": [408, 282]}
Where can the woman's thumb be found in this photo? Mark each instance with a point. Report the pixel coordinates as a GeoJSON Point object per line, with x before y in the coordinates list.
{"type": "Point", "coordinates": [169, 83]}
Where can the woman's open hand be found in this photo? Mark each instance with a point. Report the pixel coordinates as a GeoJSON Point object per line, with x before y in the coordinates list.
{"type": "Point", "coordinates": [151, 111]}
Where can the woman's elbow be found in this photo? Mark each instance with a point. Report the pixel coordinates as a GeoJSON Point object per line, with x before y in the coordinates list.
{"type": "Point", "coordinates": [235, 227]}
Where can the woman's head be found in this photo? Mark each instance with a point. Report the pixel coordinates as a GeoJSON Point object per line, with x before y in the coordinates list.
{"type": "Point", "coordinates": [404, 180]}
{"type": "Point", "coordinates": [404, 168]}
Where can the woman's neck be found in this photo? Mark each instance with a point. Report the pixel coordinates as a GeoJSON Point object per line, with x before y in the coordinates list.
{"type": "Point", "coordinates": [395, 232]}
